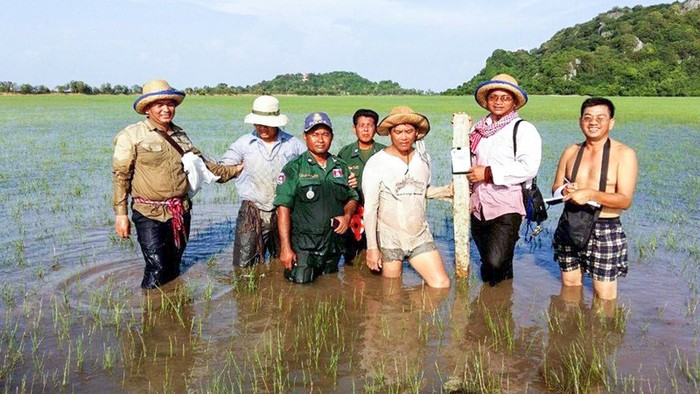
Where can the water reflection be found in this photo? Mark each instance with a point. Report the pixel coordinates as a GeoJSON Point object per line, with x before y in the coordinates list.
{"type": "Point", "coordinates": [398, 333]}
{"type": "Point", "coordinates": [582, 340]}
{"type": "Point", "coordinates": [158, 355]}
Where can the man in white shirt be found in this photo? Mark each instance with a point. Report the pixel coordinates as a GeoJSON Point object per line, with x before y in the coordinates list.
{"type": "Point", "coordinates": [496, 174]}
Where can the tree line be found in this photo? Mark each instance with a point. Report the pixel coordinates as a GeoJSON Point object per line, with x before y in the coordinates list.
{"type": "Point", "coordinates": [333, 83]}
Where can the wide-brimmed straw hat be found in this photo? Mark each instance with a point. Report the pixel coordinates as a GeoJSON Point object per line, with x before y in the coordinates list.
{"type": "Point", "coordinates": [155, 90]}
{"type": "Point", "coordinates": [266, 112]}
{"type": "Point", "coordinates": [404, 115]}
{"type": "Point", "coordinates": [504, 82]}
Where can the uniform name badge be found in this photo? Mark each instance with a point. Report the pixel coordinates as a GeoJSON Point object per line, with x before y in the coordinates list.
{"type": "Point", "coordinates": [310, 193]}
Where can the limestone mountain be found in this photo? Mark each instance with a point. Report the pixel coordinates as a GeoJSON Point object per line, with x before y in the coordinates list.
{"type": "Point", "coordinates": [639, 51]}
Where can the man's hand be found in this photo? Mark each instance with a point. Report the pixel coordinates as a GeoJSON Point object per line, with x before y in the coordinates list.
{"type": "Point", "coordinates": [122, 226]}
{"type": "Point", "coordinates": [374, 259]}
{"type": "Point", "coordinates": [239, 169]}
{"type": "Point", "coordinates": [479, 174]}
{"type": "Point", "coordinates": [352, 180]}
{"type": "Point", "coordinates": [580, 196]}
{"type": "Point", "coordinates": [343, 224]}
{"type": "Point", "coordinates": [288, 258]}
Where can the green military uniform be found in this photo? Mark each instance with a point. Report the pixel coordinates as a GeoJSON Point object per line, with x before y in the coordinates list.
{"type": "Point", "coordinates": [356, 159]}
{"type": "Point", "coordinates": [314, 195]}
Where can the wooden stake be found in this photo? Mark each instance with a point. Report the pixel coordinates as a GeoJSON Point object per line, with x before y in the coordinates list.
{"type": "Point", "coordinates": [461, 124]}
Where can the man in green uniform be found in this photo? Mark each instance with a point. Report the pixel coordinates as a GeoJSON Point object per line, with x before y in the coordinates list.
{"type": "Point", "coordinates": [314, 204]}
{"type": "Point", "coordinates": [355, 156]}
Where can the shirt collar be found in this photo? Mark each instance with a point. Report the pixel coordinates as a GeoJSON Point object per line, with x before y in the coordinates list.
{"type": "Point", "coordinates": [151, 126]}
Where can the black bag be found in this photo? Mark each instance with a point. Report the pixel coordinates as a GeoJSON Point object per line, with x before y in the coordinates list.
{"type": "Point", "coordinates": [577, 221]}
{"type": "Point", "coordinates": [535, 208]}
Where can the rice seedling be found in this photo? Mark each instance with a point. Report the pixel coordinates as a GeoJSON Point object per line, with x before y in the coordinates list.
{"type": "Point", "coordinates": [58, 329]}
{"type": "Point", "coordinates": [689, 366]}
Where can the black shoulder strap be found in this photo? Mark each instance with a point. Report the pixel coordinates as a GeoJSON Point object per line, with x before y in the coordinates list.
{"type": "Point", "coordinates": [515, 133]}
{"type": "Point", "coordinates": [577, 162]}
{"type": "Point", "coordinates": [172, 142]}
{"type": "Point", "coordinates": [603, 167]}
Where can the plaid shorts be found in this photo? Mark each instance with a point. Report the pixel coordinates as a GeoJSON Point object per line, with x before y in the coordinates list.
{"type": "Point", "coordinates": [604, 258]}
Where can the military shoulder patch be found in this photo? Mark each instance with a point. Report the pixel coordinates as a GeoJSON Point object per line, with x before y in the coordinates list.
{"type": "Point", "coordinates": [281, 178]}
{"type": "Point", "coordinates": [337, 173]}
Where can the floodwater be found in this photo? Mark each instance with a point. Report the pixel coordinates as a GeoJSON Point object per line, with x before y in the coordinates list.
{"type": "Point", "coordinates": [74, 319]}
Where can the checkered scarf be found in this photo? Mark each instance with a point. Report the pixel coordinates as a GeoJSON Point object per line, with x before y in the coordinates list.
{"type": "Point", "coordinates": [485, 130]}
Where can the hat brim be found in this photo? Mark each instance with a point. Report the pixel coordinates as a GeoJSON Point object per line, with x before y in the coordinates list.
{"type": "Point", "coordinates": [143, 101]}
{"type": "Point", "coordinates": [482, 92]}
{"type": "Point", "coordinates": [267, 120]}
{"type": "Point", "coordinates": [420, 122]}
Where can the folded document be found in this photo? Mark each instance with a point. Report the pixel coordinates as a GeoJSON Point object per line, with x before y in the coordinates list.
{"type": "Point", "coordinates": [558, 196]}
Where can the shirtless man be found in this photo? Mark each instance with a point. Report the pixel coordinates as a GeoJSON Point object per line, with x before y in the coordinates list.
{"type": "Point", "coordinates": [605, 256]}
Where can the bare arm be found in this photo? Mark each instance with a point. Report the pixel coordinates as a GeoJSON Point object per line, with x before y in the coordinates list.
{"type": "Point", "coordinates": [284, 226]}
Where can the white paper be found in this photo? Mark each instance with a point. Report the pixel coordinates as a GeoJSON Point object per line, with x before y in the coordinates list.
{"type": "Point", "coordinates": [461, 160]}
{"type": "Point", "coordinates": [558, 196]}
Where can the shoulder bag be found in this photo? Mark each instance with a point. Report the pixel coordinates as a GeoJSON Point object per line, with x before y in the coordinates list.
{"type": "Point", "coordinates": [535, 208]}
{"type": "Point", "coordinates": [577, 221]}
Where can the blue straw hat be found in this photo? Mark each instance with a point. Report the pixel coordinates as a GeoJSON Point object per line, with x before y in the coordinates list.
{"type": "Point", "coordinates": [503, 82]}
{"type": "Point", "coordinates": [155, 90]}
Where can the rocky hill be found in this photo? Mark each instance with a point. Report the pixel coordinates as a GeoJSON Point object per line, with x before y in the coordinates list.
{"type": "Point", "coordinates": [639, 51]}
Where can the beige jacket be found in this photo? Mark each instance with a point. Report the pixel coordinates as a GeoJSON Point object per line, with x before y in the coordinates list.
{"type": "Point", "coordinates": [145, 165]}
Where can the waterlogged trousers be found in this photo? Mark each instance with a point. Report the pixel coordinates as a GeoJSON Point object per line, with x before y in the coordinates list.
{"type": "Point", "coordinates": [310, 265]}
{"type": "Point", "coordinates": [496, 240]}
{"type": "Point", "coordinates": [256, 234]}
{"type": "Point", "coordinates": [162, 257]}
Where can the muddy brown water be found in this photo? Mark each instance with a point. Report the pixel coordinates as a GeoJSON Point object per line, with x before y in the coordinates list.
{"type": "Point", "coordinates": [73, 318]}
{"type": "Point", "coordinates": [348, 332]}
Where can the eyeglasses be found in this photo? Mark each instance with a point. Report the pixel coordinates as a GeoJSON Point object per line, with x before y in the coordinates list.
{"type": "Point", "coordinates": [504, 98]}
{"type": "Point", "coordinates": [599, 119]}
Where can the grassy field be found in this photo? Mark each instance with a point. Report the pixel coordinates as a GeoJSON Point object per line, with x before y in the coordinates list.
{"type": "Point", "coordinates": [72, 318]}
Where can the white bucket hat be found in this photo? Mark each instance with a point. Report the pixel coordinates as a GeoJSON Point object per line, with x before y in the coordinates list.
{"type": "Point", "coordinates": [266, 111]}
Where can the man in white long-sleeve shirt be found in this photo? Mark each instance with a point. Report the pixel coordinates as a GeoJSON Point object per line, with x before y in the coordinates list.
{"type": "Point", "coordinates": [497, 172]}
{"type": "Point", "coordinates": [396, 182]}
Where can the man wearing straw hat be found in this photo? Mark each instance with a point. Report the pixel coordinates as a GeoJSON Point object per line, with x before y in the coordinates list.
{"type": "Point", "coordinates": [147, 166]}
{"type": "Point", "coordinates": [314, 203]}
{"type": "Point", "coordinates": [264, 151]}
{"type": "Point", "coordinates": [395, 183]}
{"type": "Point", "coordinates": [496, 174]}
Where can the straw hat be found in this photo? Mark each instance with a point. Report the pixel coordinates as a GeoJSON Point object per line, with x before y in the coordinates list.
{"type": "Point", "coordinates": [504, 82]}
{"type": "Point", "coordinates": [155, 90]}
{"type": "Point", "coordinates": [266, 111]}
{"type": "Point", "coordinates": [404, 115]}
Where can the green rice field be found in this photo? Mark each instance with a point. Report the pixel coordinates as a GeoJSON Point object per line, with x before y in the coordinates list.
{"type": "Point", "coordinates": [74, 319]}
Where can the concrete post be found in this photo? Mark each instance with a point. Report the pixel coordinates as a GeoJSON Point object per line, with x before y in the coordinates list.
{"type": "Point", "coordinates": [461, 124]}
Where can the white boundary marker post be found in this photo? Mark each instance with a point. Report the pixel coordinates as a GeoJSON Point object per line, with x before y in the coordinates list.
{"type": "Point", "coordinates": [461, 124]}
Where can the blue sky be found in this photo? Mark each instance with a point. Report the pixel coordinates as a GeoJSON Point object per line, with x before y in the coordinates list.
{"type": "Point", "coordinates": [429, 45]}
